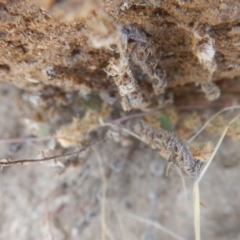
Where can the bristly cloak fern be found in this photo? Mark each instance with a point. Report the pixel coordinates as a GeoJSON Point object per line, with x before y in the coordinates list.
{"type": "Point", "coordinates": [172, 145]}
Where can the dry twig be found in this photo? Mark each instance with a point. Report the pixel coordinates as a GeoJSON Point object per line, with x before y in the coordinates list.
{"type": "Point", "coordinates": [196, 194]}
{"type": "Point", "coordinates": [7, 162]}
{"type": "Point", "coordinates": [154, 224]}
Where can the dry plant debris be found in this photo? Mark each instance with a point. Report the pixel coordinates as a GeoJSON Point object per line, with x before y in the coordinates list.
{"type": "Point", "coordinates": [134, 49]}
{"type": "Point", "coordinates": [203, 48]}
{"type": "Point", "coordinates": [219, 123]}
{"type": "Point", "coordinates": [77, 132]}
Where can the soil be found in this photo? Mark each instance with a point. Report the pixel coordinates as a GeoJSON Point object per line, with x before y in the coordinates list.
{"type": "Point", "coordinates": [50, 73]}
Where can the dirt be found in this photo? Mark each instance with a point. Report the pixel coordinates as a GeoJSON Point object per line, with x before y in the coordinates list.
{"type": "Point", "coordinates": [47, 201]}
{"type": "Point", "coordinates": [40, 49]}
{"type": "Point", "coordinates": [51, 72]}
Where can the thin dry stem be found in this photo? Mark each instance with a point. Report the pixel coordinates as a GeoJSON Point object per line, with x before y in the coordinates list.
{"type": "Point", "coordinates": [196, 206]}
{"type": "Point", "coordinates": [121, 225]}
{"type": "Point", "coordinates": [27, 139]}
{"type": "Point", "coordinates": [156, 111]}
{"type": "Point", "coordinates": [196, 194]}
{"type": "Point", "coordinates": [109, 234]}
{"type": "Point", "coordinates": [124, 129]}
{"type": "Point", "coordinates": [217, 147]}
{"type": "Point", "coordinates": [7, 162]}
{"type": "Point", "coordinates": [136, 115]}
{"type": "Point", "coordinates": [168, 168]}
{"type": "Point", "coordinates": [48, 222]}
{"type": "Point", "coordinates": [183, 181]}
{"type": "Point", "coordinates": [154, 224]}
{"type": "Point", "coordinates": [103, 195]}
{"type": "Point", "coordinates": [209, 120]}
